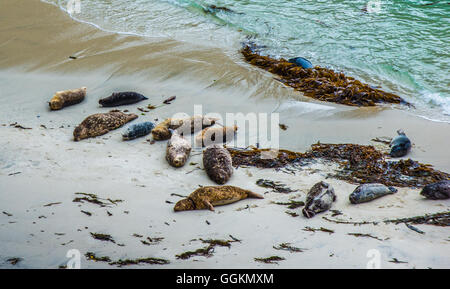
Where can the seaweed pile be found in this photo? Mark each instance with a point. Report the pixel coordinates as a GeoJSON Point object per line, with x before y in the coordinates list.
{"type": "Point", "coordinates": [357, 164]}
{"type": "Point", "coordinates": [322, 83]}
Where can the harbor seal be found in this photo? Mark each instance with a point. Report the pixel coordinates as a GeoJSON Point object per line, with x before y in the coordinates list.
{"type": "Point", "coordinates": [218, 164]}
{"type": "Point", "coordinates": [138, 130]}
{"type": "Point", "coordinates": [178, 150]}
{"type": "Point", "coordinates": [368, 192]}
{"type": "Point", "coordinates": [437, 191]}
{"type": "Point", "coordinates": [191, 124]}
{"type": "Point", "coordinates": [319, 199]}
{"type": "Point", "coordinates": [302, 62]}
{"type": "Point", "coordinates": [121, 98]}
{"type": "Point", "coordinates": [400, 145]}
{"type": "Point", "coordinates": [215, 135]}
{"type": "Point", "coordinates": [67, 97]}
{"type": "Point", "coordinates": [208, 197]}
{"type": "Point", "coordinates": [101, 123]}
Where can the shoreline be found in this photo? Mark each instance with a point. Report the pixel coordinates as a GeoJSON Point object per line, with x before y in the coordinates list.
{"type": "Point", "coordinates": [53, 168]}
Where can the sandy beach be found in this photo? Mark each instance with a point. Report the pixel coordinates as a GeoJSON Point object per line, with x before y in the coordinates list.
{"type": "Point", "coordinates": [42, 169]}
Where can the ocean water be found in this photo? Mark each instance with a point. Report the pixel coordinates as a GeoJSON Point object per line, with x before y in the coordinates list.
{"type": "Point", "coordinates": [403, 46]}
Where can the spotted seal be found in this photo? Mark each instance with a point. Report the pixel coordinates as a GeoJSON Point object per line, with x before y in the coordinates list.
{"type": "Point", "coordinates": [437, 191]}
{"type": "Point", "coordinates": [215, 135]}
{"type": "Point", "coordinates": [208, 197]}
{"type": "Point", "coordinates": [319, 199]}
{"type": "Point", "coordinates": [368, 192]}
{"type": "Point", "coordinates": [218, 164]}
{"type": "Point", "coordinates": [178, 150]}
{"type": "Point", "coordinates": [138, 130]}
{"type": "Point", "coordinates": [401, 145]}
{"type": "Point", "coordinates": [101, 123]}
{"type": "Point", "coordinates": [121, 98]}
{"type": "Point", "coordinates": [67, 97]}
{"type": "Point", "coordinates": [191, 124]}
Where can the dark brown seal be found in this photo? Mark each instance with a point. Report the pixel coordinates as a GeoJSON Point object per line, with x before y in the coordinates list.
{"type": "Point", "coordinates": [67, 97]}
{"type": "Point", "coordinates": [218, 164]}
{"type": "Point", "coordinates": [101, 123]}
{"type": "Point", "coordinates": [208, 197]}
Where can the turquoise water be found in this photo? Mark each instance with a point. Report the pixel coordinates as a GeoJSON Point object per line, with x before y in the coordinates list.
{"type": "Point", "coordinates": [404, 46]}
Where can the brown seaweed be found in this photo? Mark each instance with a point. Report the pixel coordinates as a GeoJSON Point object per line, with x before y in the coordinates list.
{"type": "Point", "coordinates": [103, 237]}
{"type": "Point", "coordinates": [270, 260]}
{"type": "Point", "coordinates": [288, 247]}
{"type": "Point", "coordinates": [208, 250]}
{"type": "Point", "coordinates": [291, 204]}
{"type": "Point", "coordinates": [322, 83]}
{"type": "Point", "coordinates": [321, 229]}
{"type": "Point", "coordinates": [150, 260]}
{"type": "Point", "coordinates": [437, 219]}
{"type": "Point", "coordinates": [358, 164]}
{"type": "Point", "coordinates": [275, 186]}
{"type": "Point", "coordinates": [94, 199]}
{"type": "Point", "coordinates": [364, 235]}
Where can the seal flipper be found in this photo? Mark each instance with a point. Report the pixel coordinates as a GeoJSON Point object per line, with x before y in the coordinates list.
{"type": "Point", "coordinates": [208, 205]}
{"type": "Point", "coordinates": [254, 195]}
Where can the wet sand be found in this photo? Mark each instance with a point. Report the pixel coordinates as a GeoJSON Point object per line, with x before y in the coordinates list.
{"type": "Point", "coordinates": [43, 165]}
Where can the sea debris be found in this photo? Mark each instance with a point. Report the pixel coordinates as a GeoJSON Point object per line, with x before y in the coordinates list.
{"type": "Point", "coordinates": [169, 100]}
{"type": "Point", "coordinates": [149, 260]}
{"type": "Point", "coordinates": [368, 192]}
{"type": "Point", "coordinates": [16, 125]}
{"type": "Point", "coordinates": [292, 204]}
{"type": "Point", "coordinates": [102, 237]}
{"type": "Point", "coordinates": [152, 241]}
{"type": "Point", "coordinates": [208, 250]}
{"type": "Point", "coordinates": [437, 191]}
{"type": "Point", "coordinates": [94, 199]}
{"type": "Point", "coordinates": [218, 164]}
{"type": "Point", "coordinates": [437, 219]}
{"type": "Point", "coordinates": [321, 229]}
{"type": "Point", "coordinates": [67, 97]}
{"type": "Point", "coordinates": [275, 186]}
{"type": "Point", "coordinates": [52, 204]}
{"type": "Point", "coordinates": [14, 261]}
{"type": "Point", "coordinates": [101, 123]}
{"type": "Point", "coordinates": [6, 213]}
{"type": "Point", "coordinates": [120, 263]}
{"type": "Point", "coordinates": [322, 83]}
{"type": "Point", "coordinates": [319, 199]}
{"type": "Point", "coordinates": [400, 146]}
{"type": "Point", "coordinates": [358, 164]}
{"type": "Point", "coordinates": [210, 196]}
{"type": "Point", "coordinates": [86, 213]}
{"type": "Point", "coordinates": [288, 247]}
{"type": "Point", "coordinates": [411, 227]}
{"type": "Point", "coordinates": [395, 260]}
{"type": "Point", "coordinates": [94, 257]}
{"type": "Point", "coordinates": [270, 260]}
{"type": "Point", "coordinates": [292, 214]}
{"type": "Point", "coordinates": [364, 235]}
{"type": "Point", "coordinates": [121, 98]}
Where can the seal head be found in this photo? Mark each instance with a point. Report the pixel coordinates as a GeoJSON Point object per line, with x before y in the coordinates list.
{"type": "Point", "coordinates": [400, 146]}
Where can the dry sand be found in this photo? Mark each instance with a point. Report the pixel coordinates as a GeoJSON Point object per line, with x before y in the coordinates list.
{"type": "Point", "coordinates": [43, 165]}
